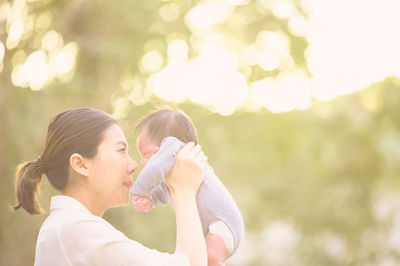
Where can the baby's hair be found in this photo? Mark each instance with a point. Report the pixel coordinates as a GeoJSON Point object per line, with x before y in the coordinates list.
{"type": "Point", "coordinates": [165, 122]}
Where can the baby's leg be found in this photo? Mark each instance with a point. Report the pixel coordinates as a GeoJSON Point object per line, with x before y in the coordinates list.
{"type": "Point", "coordinates": [219, 242]}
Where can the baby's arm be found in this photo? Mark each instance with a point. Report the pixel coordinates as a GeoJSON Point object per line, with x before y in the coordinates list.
{"type": "Point", "coordinates": [157, 168]}
{"type": "Point", "coordinates": [141, 204]}
{"type": "Point", "coordinates": [158, 197]}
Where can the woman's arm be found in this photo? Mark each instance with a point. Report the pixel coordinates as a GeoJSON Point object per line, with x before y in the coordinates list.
{"type": "Point", "coordinates": [184, 182]}
{"type": "Point", "coordinates": [189, 234]}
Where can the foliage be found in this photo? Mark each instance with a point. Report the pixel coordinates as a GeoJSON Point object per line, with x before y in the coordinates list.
{"type": "Point", "coordinates": [316, 187]}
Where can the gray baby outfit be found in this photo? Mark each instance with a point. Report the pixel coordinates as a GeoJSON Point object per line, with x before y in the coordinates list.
{"type": "Point", "coordinates": [213, 200]}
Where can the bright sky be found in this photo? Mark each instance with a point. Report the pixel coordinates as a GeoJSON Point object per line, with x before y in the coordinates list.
{"type": "Point", "coordinates": [351, 44]}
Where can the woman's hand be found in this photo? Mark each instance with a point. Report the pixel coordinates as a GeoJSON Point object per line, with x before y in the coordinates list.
{"type": "Point", "coordinates": [187, 174]}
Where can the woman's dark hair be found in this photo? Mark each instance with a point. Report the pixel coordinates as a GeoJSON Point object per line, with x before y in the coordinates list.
{"type": "Point", "coordinates": [165, 122]}
{"type": "Point", "coordinates": [77, 130]}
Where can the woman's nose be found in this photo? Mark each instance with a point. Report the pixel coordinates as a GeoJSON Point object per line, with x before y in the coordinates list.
{"type": "Point", "coordinates": [133, 166]}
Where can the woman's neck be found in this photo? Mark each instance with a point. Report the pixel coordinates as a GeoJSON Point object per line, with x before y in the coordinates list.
{"type": "Point", "coordinates": [86, 198]}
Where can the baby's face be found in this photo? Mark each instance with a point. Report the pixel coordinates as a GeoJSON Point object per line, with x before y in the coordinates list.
{"type": "Point", "coordinates": [146, 147]}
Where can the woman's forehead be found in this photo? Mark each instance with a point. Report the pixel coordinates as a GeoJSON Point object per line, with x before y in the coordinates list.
{"type": "Point", "coordinates": [114, 135]}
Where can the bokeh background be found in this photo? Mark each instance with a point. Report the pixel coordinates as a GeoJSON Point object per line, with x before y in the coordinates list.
{"type": "Point", "coordinates": [296, 102]}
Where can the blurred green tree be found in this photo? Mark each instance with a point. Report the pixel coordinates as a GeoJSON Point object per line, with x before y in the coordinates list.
{"type": "Point", "coordinates": [316, 187]}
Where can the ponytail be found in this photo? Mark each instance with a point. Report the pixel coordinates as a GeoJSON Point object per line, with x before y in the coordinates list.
{"type": "Point", "coordinates": [27, 181]}
{"type": "Point", "coordinates": [79, 130]}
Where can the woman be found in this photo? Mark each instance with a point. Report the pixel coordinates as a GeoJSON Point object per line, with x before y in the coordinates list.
{"type": "Point", "coordinates": [86, 158]}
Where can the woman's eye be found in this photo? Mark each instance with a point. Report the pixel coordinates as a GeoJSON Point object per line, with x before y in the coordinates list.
{"type": "Point", "coordinates": [122, 150]}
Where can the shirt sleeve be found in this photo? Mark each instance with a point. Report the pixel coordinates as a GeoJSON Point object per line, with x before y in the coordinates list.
{"type": "Point", "coordinates": [93, 241]}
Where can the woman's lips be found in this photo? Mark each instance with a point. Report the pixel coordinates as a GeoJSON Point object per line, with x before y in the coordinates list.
{"type": "Point", "coordinates": [128, 183]}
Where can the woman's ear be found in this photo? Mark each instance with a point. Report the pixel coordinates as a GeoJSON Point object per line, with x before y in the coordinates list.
{"type": "Point", "coordinates": [78, 164]}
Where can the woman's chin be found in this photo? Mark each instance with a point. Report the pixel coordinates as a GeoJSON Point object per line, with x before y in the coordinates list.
{"type": "Point", "coordinates": [122, 202]}
{"type": "Point", "coordinates": [125, 201]}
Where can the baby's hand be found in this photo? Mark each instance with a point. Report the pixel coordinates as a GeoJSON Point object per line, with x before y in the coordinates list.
{"type": "Point", "coordinates": [141, 204]}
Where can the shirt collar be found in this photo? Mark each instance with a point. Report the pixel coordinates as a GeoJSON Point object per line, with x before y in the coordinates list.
{"type": "Point", "coordinates": [68, 203]}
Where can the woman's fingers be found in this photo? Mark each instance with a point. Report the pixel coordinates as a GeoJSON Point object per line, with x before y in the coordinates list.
{"type": "Point", "coordinates": [187, 173]}
{"type": "Point", "coordinates": [194, 152]}
{"type": "Point", "coordinates": [198, 155]}
{"type": "Point", "coordinates": [201, 157]}
{"type": "Point", "coordinates": [186, 149]}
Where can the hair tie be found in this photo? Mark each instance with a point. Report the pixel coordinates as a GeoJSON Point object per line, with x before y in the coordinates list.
{"type": "Point", "coordinates": [40, 165]}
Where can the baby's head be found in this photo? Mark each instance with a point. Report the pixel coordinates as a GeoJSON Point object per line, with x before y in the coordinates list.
{"type": "Point", "coordinates": [159, 124]}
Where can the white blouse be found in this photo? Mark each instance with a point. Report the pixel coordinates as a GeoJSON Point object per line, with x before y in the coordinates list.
{"type": "Point", "coordinates": [71, 235]}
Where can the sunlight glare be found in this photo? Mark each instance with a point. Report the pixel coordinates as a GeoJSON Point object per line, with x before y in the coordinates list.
{"type": "Point", "coordinates": [267, 4]}
{"type": "Point", "coordinates": [287, 63]}
{"type": "Point", "coordinates": [201, 40]}
{"type": "Point", "coordinates": [152, 61]}
{"type": "Point", "coordinates": [39, 68]}
{"type": "Point", "coordinates": [5, 9]}
{"type": "Point", "coordinates": [250, 55]}
{"type": "Point", "coordinates": [211, 79]}
{"type": "Point", "coordinates": [215, 58]}
{"type": "Point", "coordinates": [36, 69]}
{"type": "Point", "coordinates": [2, 51]}
{"type": "Point", "coordinates": [170, 84]}
{"type": "Point", "coordinates": [169, 12]}
{"type": "Point", "coordinates": [272, 41]}
{"type": "Point", "coordinates": [368, 51]}
{"type": "Point", "coordinates": [18, 77]}
{"type": "Point", "coordinates": [238, 2]}
{"type": "Point", "coordinates": [283, 9]}
{"type": "Point", "coordinates": [298, 26]}
{"type": "Point", "coordinates": [208, 14]}
{"type": "Point", "coordinates": [18, 12]}
{"type": "Point", "coordinates": [33, 72]}
{"type": "Point", "coordinates": [287, 92]}
{"type": "Point", "coordinates": [178, 50]}
{"type": "Point", "coordinates": [120, 106]}
{"type": "Point", "coordinates": [246, 15]}
{"type": "Point", "coordinates": [268, 61]}
{"type": "Point", "coordinates": [52, 40]}
{"type": "Point", "coordinates": [14, 35]}
{"type": "Point", "coordinates": [64, 61]}
{"type": "Point", "coordinates": [343, 55]}
{"type": "Point", "coordinates": [218, 85]}
{"type": "Point", "coordinates": [43, 21]}
{"type": "Point", "coordinates": [138, 95]}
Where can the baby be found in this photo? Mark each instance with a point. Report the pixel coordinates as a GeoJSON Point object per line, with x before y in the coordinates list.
{"type": "Point", "coordinates": [162, 134]}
